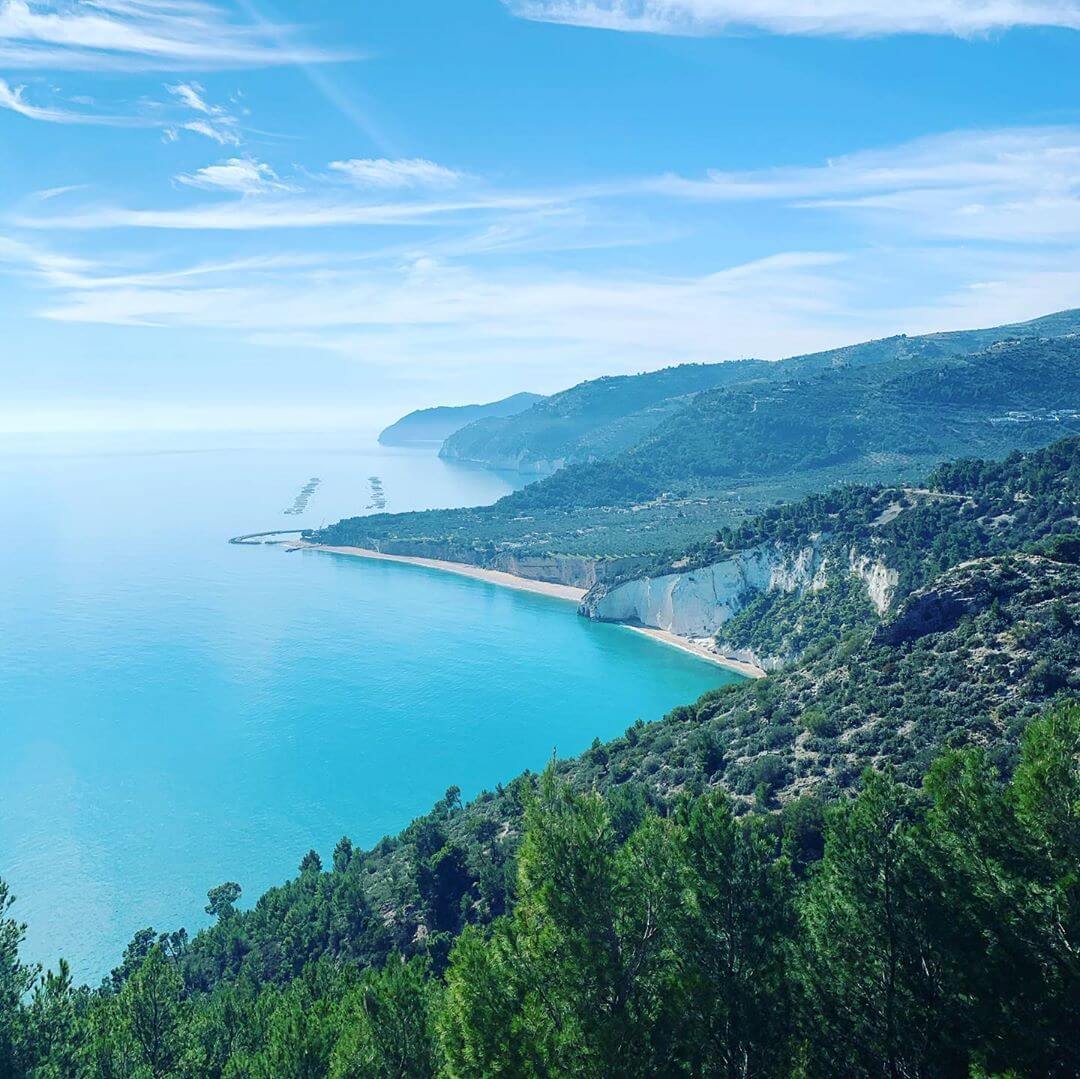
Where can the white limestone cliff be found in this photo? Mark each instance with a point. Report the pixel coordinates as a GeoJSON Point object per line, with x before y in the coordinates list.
{"type": "Point", "coordinates": [698, 602]}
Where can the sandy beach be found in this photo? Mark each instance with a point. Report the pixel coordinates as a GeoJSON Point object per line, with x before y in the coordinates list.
{"type": "Point", "coordinates": [685, 644]}
{"type": "Point", "coordinates": [543, 588]}
{"type": "Point", "coordinates": [462, 569]}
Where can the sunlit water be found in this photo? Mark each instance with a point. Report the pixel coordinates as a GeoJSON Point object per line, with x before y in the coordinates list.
{"type": "Point", "coordinates": [177, 711]}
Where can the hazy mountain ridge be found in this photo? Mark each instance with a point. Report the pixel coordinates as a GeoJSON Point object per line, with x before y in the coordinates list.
{"type": "Point", "coordinates": [592, 419]}
{"type": "Point", "coordinates": [439, 423]}
{"type": "Point", "coordinates": [601, 418]}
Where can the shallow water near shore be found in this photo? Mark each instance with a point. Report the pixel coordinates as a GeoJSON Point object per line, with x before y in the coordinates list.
{"type": "Point", "coordinates": [178, 711]}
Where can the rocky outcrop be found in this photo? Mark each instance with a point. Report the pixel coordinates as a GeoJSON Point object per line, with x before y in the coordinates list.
{"type": "Point", "coordinates": [699, 602]}
{"type": "Point", "coordinates": [880, 580]}
{"type": "Point", "coordinates": [969, 589]}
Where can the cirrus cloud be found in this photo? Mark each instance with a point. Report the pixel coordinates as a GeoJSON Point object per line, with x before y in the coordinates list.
{"type": "Point", "coordinates": [1010, 184]}
{"type": "Point", "coordinates": [140, 35]}
{"type": "Point", "coordinates": [381, 172]}
{"type": "Point", "coordinates": [239, 175]}
{"type": "Point", "coordinates": [847, 18]}
{"type": "Point", "coordinates": [14, 99]}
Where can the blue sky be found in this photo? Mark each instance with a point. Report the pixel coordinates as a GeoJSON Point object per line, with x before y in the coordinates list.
{"type": "Point", "coordinates": [323, 214]}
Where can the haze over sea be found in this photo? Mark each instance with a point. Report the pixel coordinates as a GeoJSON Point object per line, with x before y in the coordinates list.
{"type": "Point", "coordinates": [178, 711]}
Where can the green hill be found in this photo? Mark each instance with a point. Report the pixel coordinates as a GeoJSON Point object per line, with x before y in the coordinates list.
{"type": "Point", "coordinates": [591, 420]}
{"type": "Point", "coordinates": [438, 424]}
{"type": "Point", "coordinates": [600, 419]}
{"type": "Point", "coordinates": [915, 410]}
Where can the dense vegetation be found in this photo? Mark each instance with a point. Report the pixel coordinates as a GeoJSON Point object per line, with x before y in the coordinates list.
{"type": "Point", "coordinates": [930, 932]}
{"type": "Point", "coordinates": [438, 424]}
{"type": "Point", "coordinates": [593, 419]}
{"type": "Point", "coordinates": [606, 416]}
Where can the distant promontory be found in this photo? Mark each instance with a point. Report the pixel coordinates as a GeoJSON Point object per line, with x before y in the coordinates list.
{"type": "Point", "coordinates": [438, 424]}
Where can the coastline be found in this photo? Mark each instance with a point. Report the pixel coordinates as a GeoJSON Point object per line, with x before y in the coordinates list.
{"type": "Point", "coordinates": [687, 644]}
{"type": "Point", "coordinates": [543, 588]}
{"type": "Point", "coordinates": [461, 569]}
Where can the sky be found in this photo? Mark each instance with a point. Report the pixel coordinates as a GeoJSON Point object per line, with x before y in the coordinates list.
{"type": "Point", "coordinates": [243, 214]}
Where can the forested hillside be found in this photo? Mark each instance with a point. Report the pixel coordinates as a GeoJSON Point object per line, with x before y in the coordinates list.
{"type": "Point", "coordinates": [896, 414]}
{"type": "Point", "coordinates": [929, 932]}
{"type": "Point", "coordinates": [599, 419]}
{"type": "Point", "coordinates": [593, 419]}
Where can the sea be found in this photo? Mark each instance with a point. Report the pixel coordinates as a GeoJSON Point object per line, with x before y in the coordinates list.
{"type": "Point", "coordinates": [176, 711]}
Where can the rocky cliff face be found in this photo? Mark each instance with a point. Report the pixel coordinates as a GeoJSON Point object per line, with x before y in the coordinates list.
{"type": "Point", "coordinates": [699, 602]}
{"type": "Point", "coordinates": [880, 581]}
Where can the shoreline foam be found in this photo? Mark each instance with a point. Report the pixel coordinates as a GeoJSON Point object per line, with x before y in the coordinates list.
{"type": "Point", "coordinates": [564, 592]}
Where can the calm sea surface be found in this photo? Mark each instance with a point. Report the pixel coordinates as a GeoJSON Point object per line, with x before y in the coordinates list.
{"type": "Point", "coordinates": [176, 711]}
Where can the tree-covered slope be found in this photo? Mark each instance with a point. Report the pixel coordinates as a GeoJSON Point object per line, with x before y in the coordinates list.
{"type": "Point", "coordinates": [599, 419]}
{"type": "Point", "coordinates": [873, 419]}
{"type": "Point", "coordinates": [438, 424]}
{"type": "Point", "coordinates": [591, 420]}
{"type": "Point", "coordinates": [929, 932]}
{"type": "Point", "coordinates": [585, 923]}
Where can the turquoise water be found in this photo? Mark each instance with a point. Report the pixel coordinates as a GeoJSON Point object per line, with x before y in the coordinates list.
{"type": "Point", "coordinates": [177, 711]}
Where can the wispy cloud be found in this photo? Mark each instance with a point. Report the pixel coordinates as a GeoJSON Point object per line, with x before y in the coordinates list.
{"type": "Point", "coordinates": [426, 300]}
{"type": "Point", "coordinates": [286, 213]}
{"type": "Point", "coordinates": [212, 121]}
{"type": "Point", "coordinates": [56, 269]}
{"type": "Point", "coordinates": [1017, 185]}
{"type": "Point", "coordinates": [239, 175]}
{"type": "Point", "coordinates": [224, 134]}
{"type": "Point", "coordinates": [848, 18]}
{"type": "Point", "coordinates": [383, 173]}
{"type": "Point", "coordinates": [191, 94]}
{"type": "Point", "coordinates": [14, 99]}
{"type": "Point", "coordinates": [422, 313]}
{"type": "Point", "coordinates": [140, 35]}
{"type": "Point", "coordinates": [1012, 184]}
